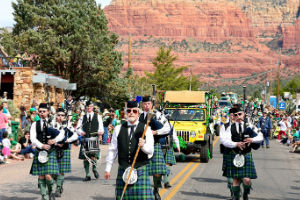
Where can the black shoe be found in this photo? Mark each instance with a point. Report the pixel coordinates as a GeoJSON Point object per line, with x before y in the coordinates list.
{"type": "Point", "coordinates": [51, 196]}
{"type": "Point", "coordinates": [167, 185]}
{"type": "Point", "coordinates": [58, 192]}
{"type": "Point", "coordinates": [96, 174]}
{"type": "Point", "coordinates": [156, 194]}
{"type": "Point", "coordinates": [87, 178]}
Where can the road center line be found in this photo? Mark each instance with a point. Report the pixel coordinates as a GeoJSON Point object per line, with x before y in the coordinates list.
{"type": "Point", "coordinates": [182, 181]}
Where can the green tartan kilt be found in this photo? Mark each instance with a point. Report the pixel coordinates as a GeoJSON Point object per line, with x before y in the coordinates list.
{"type": "Point", "coordinates": [140, 190]}
{"type": "Point", "coordinates": [90, 155]}
{"type": "Point", "coordinates": [50, 167]}
{"type": "Point", "coordinates": [64, 164]}
{"type": "Point", "coordinates": [170, 157]}
{"type": "Point", "coordinates": [157, 164]}
{"type": "Point", "coordinates": [229, 170]}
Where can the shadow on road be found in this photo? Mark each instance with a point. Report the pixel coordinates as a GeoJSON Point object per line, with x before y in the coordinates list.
{"type": "Point", "coordinates": [208, 195]}
{"type": "Point", "coordinates": [102, 198]}
{"type": "Point", "coordinates": [209, 180]}
{"type": "Point", "coordinates": [74, 178]}
{"type": "Point", "coordinates": [16, 198]}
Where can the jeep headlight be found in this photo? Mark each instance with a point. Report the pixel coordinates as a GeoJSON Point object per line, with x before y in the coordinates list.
{"type": "Point", "coordinates": [193, 134]}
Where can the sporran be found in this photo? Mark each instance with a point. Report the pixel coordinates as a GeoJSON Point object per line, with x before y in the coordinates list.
{"type": "Point", "coordinates": [43, 157]}
{"type": "Point", "coordinates": [133, 176]}
{"type": "Point", "coordinates": [239, 160]}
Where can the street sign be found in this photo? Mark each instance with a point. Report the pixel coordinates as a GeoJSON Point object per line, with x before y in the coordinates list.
{"type": "Point", "coordinates": [273, 101]}
{"type": "Point", "coordinates": [282, 105]}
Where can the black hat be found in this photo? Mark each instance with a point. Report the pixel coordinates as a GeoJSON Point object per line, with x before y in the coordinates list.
{"type": "Point", "coordinates": [146, 98]}
{"type": "Point", "coordinates": [233, 110]}
{"type": "Point", "coordinates": [89, 103]}
{"type": "Point", "coordinates": [43, 105]}
{"type": "Point", "coordinates": [60, 110]}
{"type": "Point", "coordinates": [238, 108]}
{"type": "Point", "coordinates": [132, 104]}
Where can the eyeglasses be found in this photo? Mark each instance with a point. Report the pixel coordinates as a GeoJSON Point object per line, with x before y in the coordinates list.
{"type": "Point", "coordinates": [132, 110]}
{"type": "Point", "coordinates": [238, 114]}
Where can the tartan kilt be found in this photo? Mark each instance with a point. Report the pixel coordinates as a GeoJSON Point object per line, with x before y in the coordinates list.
{"type": "Point", "coordinates": [142, 189]}
{"type": "Point", "coordinates": [229, 170]}
{"type": "Point", "coordinates": [157, 163]}
{"type": "Point", "coordinates": [64, 164]}
{"type": "Point", "coordinates": [90, 155]}
{"type": "Point", "coordinates": [170, 157]}
{"type": "Point", "coordinates": [50, 167]}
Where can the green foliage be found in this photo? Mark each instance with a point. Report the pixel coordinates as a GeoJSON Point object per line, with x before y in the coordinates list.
{"type": "Point", "coordinates": [292, 86]}
{"type": "Point", "coordinates": [72, 40]}
{"type": "Point", "coordinates": [14, 111]}
{"type": "Point", "coordinates": [166, 76]}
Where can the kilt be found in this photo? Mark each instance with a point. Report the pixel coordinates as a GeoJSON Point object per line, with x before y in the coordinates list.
{"type": "Point", "coordinates": [170, 157]}
{"type": "Point", "coordinates": [90, 155]}
{"type": "Point", "coordinates": [64, 164]}
{"type": "Point", "coordinates": [50, 167]}
{"type": "Point", "coordinates": [157, 163]}
{"type": "Point", "coordinates": [142, 189]}
{"type": "Point", "coordinates": [229, 170]}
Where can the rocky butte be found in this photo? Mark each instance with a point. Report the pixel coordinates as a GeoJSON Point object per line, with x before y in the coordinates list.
{"type": "Point", "coordinates": [226, 39]}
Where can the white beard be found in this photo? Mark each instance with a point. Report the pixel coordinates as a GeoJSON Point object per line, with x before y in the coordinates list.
{"type": "Point", "coordinates": [131, 119]}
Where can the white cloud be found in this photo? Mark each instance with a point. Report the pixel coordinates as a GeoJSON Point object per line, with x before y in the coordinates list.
{"type": "Point", "coordinates": [6, 10]}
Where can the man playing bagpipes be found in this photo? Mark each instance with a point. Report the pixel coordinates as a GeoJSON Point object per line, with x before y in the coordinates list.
{"type": "Point", "coordinates": [160, 128]}
{"type": "Point", "coordinates": [126, 141]}
{"type": "Point", "coordinates": [63, 149]}
{"type": "Point", "coordinates": [239, 140]}
{"type": "Point", "coordinates": [91, 129]}
{"type": "Point", "coordinates": [44, 162]}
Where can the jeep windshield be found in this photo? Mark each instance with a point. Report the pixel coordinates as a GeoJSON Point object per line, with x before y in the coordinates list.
{"type": "Point", "coordinates": [186, 114]}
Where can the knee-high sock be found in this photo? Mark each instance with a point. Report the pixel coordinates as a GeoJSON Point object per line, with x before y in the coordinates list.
{"type": "Point", "coordinates": [42, 185]}
{"type": "Point", "coordinates": [236, 192]}
{"type": "Point", "coordinates": [166, 176]}
{"type": "Point", "coordinates": [247, 189]}
{"type": "Point", "coordinates": [94, 166]}
{"type": "Point", "coordinates": [157, 181]}
{"type": "Point", "coordinates": [50, 184]}
{"type": "Point", "coordinates": [86, 165]}
{"type": "Point", "coordinates": [60, 181]}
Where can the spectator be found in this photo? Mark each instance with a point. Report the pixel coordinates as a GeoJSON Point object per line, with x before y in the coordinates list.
{"type": "Point", "coordinates": [6, 147]}
{"type": "Point", "coordinates": [26, 145]}
{"type": "Point", "coordinates": [284, 127]}
{"type": "Point", "coordinates": [52, 109]}
{"type": "Point", "coordinates": [107, 120]}
{"type": "Point", "coordinates": [33, 115]}
{"type": "Point", "coordinates": [27, 123]}
{"type": "Point", "coordinates": [3, 123]}
{"type": "Point", "coordinates": [23, 115]}
{"type": "Point", "coordinates": [265, 125]}
{"type": "Point", "coordinates": [69, 103]}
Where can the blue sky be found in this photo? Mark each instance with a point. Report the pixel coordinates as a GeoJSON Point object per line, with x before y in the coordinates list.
{"type": "Point", "coordinates": [6, 17]}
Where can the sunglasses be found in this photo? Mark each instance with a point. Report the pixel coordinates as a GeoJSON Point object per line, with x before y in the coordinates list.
{"type": "Point", "coordinates": [132, 110]}
{"type": "Point", "coordinates": [238, 114]}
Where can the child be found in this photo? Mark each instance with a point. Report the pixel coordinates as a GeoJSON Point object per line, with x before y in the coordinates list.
{"type": "Point", "coordinates": [6, 147]}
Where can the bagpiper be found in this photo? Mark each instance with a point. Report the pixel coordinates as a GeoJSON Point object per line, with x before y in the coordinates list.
{"type": "Point", "coordinates": [125, 141]}
{"type": "Point", "coordinates": [160, 128]}
{"type": "Point", "coordinates": [90, 125]}
{"type": "Point", "coordinates": [239, 140]}
{"type": "Point", "coordinates": [167, 147]}
{"type": "Point", "coordinates": [63, 149]}
{"type": "Point", "coordinates": [44, 162]}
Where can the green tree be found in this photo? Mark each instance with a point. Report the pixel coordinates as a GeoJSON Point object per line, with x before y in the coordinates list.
{"type": "Point", "coordinates": [72, 40]}
{"type": "Point", "coordinates": [168, 77]}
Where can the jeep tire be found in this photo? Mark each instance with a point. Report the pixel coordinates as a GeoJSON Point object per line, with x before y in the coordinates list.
{"type": "Point", "coordinates": [204, 152]}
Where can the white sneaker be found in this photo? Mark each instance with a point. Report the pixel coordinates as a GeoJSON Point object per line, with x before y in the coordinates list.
{"type": "Point", "coordinates": [7, 162]}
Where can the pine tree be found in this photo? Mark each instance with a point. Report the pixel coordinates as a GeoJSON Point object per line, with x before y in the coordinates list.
{"type": "Point", "coordinates": [168, 77]}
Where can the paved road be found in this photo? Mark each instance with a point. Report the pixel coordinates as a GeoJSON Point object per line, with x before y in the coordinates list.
{"type": "Point", "coordinates": [278, 178]}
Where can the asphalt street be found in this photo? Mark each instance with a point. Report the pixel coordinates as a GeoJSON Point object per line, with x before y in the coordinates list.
{"type": "Point", "coordinates": [278, 178]}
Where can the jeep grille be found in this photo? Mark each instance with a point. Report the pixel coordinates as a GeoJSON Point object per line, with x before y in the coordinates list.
{"type": "Point", "coordinates": [184, 134]}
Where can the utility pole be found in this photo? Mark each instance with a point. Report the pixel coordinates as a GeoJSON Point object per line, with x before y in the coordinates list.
{"type": "Point", "coordinates": [129, 52]}
{"type": "Point", "coordinates": [278, 79]}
